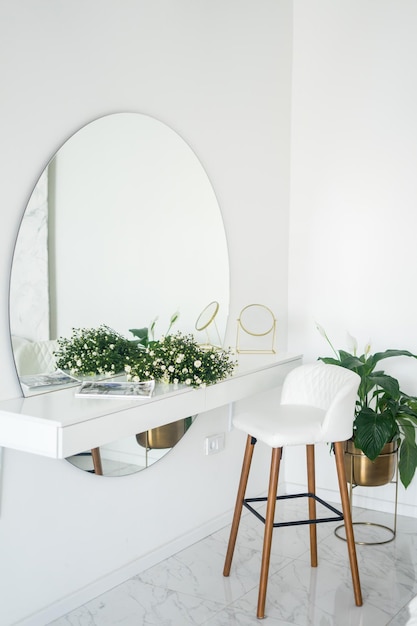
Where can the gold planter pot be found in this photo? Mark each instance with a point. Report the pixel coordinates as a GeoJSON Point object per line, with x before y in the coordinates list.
{"type": "Point", "coordinates": [163, 436]}
{"type": "Point", "coordinates": [366, 473]}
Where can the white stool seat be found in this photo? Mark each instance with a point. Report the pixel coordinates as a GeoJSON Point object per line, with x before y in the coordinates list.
{"type": "Point", "coordinates": [288, 425]}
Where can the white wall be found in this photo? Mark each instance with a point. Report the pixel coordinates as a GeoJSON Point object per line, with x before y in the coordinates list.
{"type": "Point", "coordinates": [217, 72]}
{"type": "Point", "coordinates": [353, 186]}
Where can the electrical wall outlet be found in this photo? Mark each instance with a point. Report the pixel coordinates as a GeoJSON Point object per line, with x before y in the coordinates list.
{"type": "Point", "coordinates": [214, 443]}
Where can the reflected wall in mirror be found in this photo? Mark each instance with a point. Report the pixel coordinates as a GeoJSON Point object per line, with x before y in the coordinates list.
{"type": "Point", "coordinates": [123, 226]}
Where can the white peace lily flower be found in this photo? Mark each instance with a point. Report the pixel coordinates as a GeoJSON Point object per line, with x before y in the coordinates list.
{"type": "Point", "coordinates": [321, 330]}
{"type": "Point", "coordinates": [352, 342]}
{"type": "Point", "coordinates": [324, 334]}
{"type": "Point", "coordinates": [367, 348]}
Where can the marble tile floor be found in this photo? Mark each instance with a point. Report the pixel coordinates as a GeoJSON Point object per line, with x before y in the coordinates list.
{"type": "Point", "coordinates": [188, 589]}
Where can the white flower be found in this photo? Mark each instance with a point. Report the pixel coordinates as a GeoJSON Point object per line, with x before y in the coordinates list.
{"type": "Point", "coordinates": [197, 363]}
{"type": "Point", "coordinates": [79, 362]}
{"type": "Point", "coordinates": [188, 381]}
{"type": "Point", "coordinates": [321, 330]}
{"type": "Point", "coordinates": [128, 369]}
{"type": "Point", "coordinates": [353, 344]}
{"type": "Point", "coordinates": [171, 368]}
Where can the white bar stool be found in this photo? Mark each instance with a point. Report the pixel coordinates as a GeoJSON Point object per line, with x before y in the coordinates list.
{"type": "Point", "coordinates": [317, 406]}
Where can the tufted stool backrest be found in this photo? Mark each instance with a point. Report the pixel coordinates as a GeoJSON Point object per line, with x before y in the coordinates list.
{"type": "Point", "coordinates": [328, 387]}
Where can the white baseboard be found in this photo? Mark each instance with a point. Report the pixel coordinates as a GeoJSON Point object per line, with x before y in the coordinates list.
{"type": "Point", "coordinates": [82, 596]}
{"type": "Point", "coordinates": [362, 497]}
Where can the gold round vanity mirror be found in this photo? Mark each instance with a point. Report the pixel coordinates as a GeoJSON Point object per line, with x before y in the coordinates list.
{"type": "Point", "coordinates": [256, 327]}
{"type": "Point", "coordinates": [206, 322]}
{"type": "Point", "coordinates": [112, 234]}
{"type": "Point", "coordinates": [207, 316]}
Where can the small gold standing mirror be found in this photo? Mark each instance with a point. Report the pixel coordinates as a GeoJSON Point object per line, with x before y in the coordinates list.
{"type": "Point", "coordinates": [256, 328]}
{"type": "Point", "coordinates": [207, 319]}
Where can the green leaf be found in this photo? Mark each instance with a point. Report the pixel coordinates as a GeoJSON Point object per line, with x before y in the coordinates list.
{"type": "Point", "coordinates": [142, 334]}
{"type": "Point", "coordinates": [387, 354]}
{"type": "Point", "coordinates": [408, 460]}
{"type": "Point", "coordinates": [350, 361]}
{"type": "Point", "coordinates": [386, 382]}
{"type": "Point", "coordinates": [372, 431]}
{"type": "Point", "coordinates": [329, 360]}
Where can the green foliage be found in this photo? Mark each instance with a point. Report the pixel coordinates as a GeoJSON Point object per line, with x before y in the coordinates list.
{"type": "Point", "coordinates": [383, 412]}
{"type": "Point", "coordinates": [147, 334]}
{"type": "Point", "coordinates": [174, 358]}
{"type": "Point", "coordinates": [179, 359]}
{"type": "Point", "coordinates": [95, 351]}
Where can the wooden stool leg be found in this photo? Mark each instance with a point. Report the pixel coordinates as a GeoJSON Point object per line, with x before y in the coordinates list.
{"type": "Point", "coordinates": [341, 474]}
{"type": "Point", "coordinates": [311, 481]}
{"type": "Point", "coordinates": [269, 527]}
{"type": "Point", "coordinates": [247, 460]}
{"type": "Point", "coordinates": [98, 468]}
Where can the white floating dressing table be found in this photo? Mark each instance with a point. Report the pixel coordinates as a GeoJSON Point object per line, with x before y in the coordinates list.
{"type": "Point", "coordinates": [59, 424]}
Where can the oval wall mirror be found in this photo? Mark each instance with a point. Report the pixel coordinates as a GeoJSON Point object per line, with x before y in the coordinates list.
{"type": "Point", "coordinates": [122, 227]}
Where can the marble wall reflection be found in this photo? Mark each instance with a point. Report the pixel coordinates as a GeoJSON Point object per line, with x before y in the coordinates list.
{"type": "Point", "coordinates": [29, 293]}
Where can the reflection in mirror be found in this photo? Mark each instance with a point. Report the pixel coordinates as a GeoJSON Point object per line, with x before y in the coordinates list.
{"type": "Point", "coordinates": [206, 319]}
{"type": "Point", "coordinates": [133, 454]}
{"type": "Point", "coordinates": [123, 226]}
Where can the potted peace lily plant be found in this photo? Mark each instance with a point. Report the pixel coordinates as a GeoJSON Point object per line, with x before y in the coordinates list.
{"type": "Point", "coordinates": [385, 416]}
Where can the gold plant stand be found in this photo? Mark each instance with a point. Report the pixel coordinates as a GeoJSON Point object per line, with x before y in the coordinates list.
{"type": "Point", "coordinates": [350, 457]}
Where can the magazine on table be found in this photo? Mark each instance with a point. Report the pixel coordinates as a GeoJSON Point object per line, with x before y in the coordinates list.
{"type": "Point", "coordinates": [51, 379]}
{"type": "Point", "coordinates": [114, 389]}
